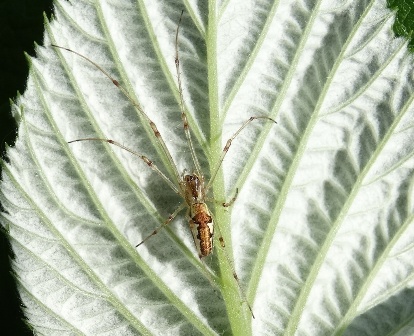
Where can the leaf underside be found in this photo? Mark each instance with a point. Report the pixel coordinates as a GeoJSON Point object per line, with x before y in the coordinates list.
{"type": "Point", "coordinates": [321, 232]}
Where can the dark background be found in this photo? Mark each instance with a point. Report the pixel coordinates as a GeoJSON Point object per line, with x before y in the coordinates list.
{"type": "Point", "coordinates": [21, 25]}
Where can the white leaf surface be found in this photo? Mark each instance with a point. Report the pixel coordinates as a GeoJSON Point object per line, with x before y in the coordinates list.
{"type": "Point", "coordinates": [321, 233]}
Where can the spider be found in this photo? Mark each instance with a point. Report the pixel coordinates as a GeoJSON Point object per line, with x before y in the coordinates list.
{"type": "Point", "coordinates": [192, 187]}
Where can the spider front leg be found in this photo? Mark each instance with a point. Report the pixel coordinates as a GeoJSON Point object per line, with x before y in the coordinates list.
{"type": "Point", "coordinates": [227, 147]}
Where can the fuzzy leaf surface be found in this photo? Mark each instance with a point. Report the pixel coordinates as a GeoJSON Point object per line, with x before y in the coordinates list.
{"type": "Point", "coordinates": [321, 233]}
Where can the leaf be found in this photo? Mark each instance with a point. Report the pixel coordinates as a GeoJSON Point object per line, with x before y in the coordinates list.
{"type": "Point", "coordinates": [321, 231]}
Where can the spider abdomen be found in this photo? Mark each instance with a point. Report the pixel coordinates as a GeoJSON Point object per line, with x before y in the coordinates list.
{"type": "Point", "coordinates": [201, 223]}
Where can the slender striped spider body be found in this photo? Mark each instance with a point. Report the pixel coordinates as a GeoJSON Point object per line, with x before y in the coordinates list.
{"type": "Point", "coordinates": [192, 188]}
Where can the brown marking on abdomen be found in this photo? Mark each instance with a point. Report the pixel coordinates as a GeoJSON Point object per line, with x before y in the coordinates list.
{"type": "Point", "coordinates": [202, 218]}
